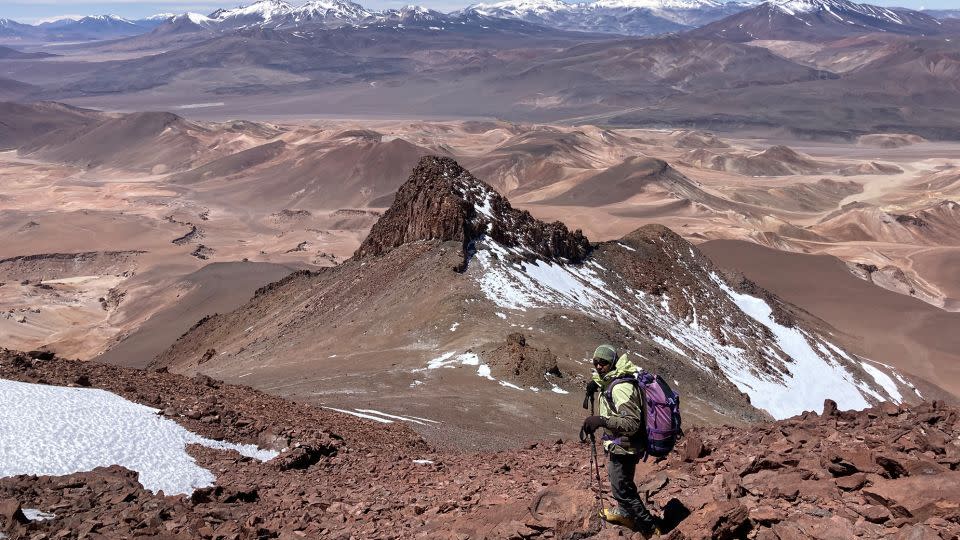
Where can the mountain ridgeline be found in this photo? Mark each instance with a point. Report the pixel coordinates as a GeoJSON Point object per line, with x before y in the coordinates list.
{"type": "Point", "coordinates": [736, 19]}
{"type": "Point", "coordinates": [451, 269]}
{"type": "Point", "coordinates": [441, 201]}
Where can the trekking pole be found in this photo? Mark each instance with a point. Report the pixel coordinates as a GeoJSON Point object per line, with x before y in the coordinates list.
{"type": "Point", "coordinates": [595, 465]}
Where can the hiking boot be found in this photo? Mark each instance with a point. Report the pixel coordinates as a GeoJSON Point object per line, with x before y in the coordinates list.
{"type": "Point", "coordinates": [648, 532]}
{"type": "Point", "coordinates": [613, 515]}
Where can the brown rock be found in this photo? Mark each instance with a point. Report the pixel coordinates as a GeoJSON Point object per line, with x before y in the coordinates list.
{"type": "Point", "coordinates": [829, 407]}
{"type": "Point", "coordinates": [918, 532]}
{"type": "Point", "coordinates": [889, 409]}
{"type": "Point", "coordinates": [693, 447]}
{"type": "Point", "coordinates": [891, 466]}
{"type": "Point", "coordinates": [765, 515]}
{"type": "Point", "coordinates": [873, 513]}
{"type": "Point", "coordinates": [304, 456]}
{"type": "Point", "coordinates": [919, 497]}
{"type": "Point", "coordinates": [789, 531]}
{"type": "Point", "coordinates": [439, 201]}
{"type": "Point", "coordinates": [11, 513]}
{"type": "Point", "coordinates": [723, 520]}
{"type": "Point", "coordinates": [852, 482]}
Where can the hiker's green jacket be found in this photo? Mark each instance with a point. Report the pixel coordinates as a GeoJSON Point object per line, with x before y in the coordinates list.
{"type": "Point", "coordinates": [625, 415]}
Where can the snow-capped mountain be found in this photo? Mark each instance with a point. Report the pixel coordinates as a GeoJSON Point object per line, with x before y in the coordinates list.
{"type": "Point", "coordinates": [185, 23]}
{"type": "Point", "coordinates": [91, 27]}
{"type": "Point", "coordinates": [257, 13]}
{"type": "Point", "coordinates": [11, 29]}
{"type": "Point", "coordinates": [634, 17]}
{"type": "Point", "coordinates": [814, 20]}
{"type": "Point", "coordinates": [328, 11]}
{"type": "Point", "coordinates": [280, 14]}
{"type": "Point", "coordinates": [629, 17]}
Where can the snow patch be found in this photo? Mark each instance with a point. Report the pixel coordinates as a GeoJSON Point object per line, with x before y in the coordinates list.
{"type": "Point", "coordinates": [811, 379]}
{"type": "Point", "coordinates": [484, 371]}
{"type": "Point", "coordinates": [392, 416]}
{"type": "Point", "coordinates": [452, 360]}
{"type": "Point", "coordinates": [200, 105]}
{"type": "Point", "coordinates": [37, 515]}
{"type": "Point", "coordinates": [361, 415]}
{"type": "Point", "coordinates": [55, 431]}
{"type": "Point", "coordinates": [884, 381]}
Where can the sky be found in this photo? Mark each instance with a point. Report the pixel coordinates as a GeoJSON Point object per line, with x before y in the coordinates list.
{"type": "Point", "coordinates": [33, 11]}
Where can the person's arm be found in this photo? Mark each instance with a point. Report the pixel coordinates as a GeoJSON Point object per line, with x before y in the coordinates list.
{"type": "Point", "coordinates": [626, 417]}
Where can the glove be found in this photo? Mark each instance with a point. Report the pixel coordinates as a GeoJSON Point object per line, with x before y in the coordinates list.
{"type": "Point", "coordinates": [592, 423]}
{"type": "Point", "coordinates": [592, 388]}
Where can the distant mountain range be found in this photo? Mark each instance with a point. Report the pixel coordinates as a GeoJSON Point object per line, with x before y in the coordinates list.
{"type": "Point", "coordinates": [78, 29]}
{"type": "Point", "coordinates": [738, 20]}
{"type": "Point", "coordinates": [817, 20]}
{"type": "Point", "coordinates": [630, 17]}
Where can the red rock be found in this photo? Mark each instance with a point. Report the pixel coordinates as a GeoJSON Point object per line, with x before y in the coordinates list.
{"type": "Point", "coordinates": [723, 520]}
{"type": "Point", "coordinates": [889, 409]}
{"type": "Point", "coordinates": [818, 490]}
{"type": "Point", "coordinates": [852, 482]}
{"type": "Point", "coordinates": [919, 497]}
{"type": "Point", "coordinates": [891, 466]}
{"type": "Point", "coordinates": [873, 513]}
{"type": "Point", "coordinates": [765, 515]}
{"type": "Point", "coordinates": [11, 512]}
{"type": "Point", "coordinates": [829, 407]}
{"type": "Point", "coordinates": [918, 532]}
{"type": "Point", "coordinates": [789, 531]}
{"type": "Point", "coordinates": [693, 447]}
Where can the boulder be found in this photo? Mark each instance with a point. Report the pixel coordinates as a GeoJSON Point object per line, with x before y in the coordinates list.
{"type": "Point", "coordinates": [918, 497]}
{"type": "Point", "coordinates": [719, 520]}
{"type": "Point", "coordinates": [852, 482]}
{"type": "Point", "coordinates": [11, 513]}
{"type": "Point", "coordinates": [873, 513]}
{"type": "Point", "coordinates": [694, 448]}
{"type": "Point", "coordinates": [829, 407]}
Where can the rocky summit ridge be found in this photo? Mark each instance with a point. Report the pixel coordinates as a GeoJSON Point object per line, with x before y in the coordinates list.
{"type": "Point", "coordinates": [443, 201]}
{"type": "Point", "coordinates": [887, 472]}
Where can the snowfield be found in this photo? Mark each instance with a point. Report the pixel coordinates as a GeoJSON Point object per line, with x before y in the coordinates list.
{"type": "Point", "coordinates": [54, 430]}
{"type": "Point", "coordinates": [807, 367]}
{"type": "Point", "coordinates": [813, 376]}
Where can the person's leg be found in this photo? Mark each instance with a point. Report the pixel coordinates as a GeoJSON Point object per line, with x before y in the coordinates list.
{"type": "Point", "coordinates": [621, 469]}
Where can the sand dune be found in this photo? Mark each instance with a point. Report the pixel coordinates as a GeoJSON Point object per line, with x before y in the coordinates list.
{"type": "Point", "coordinates": [774, 161]}
{"type": "Point", "coordinates": [822, 195]}
{"type": "Point", "coordinates": [649, 177]}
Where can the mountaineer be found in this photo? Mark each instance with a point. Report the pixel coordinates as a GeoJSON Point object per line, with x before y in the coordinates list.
{"type": "Point", "coordinates": [623, 414]}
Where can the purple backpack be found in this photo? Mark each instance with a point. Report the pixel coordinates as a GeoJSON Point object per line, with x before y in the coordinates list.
{"type": "Point", "coordinates": [663, 412]}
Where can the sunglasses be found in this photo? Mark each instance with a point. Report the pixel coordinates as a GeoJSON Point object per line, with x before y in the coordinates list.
{"type": "Point", "coordinates": [597, 362]}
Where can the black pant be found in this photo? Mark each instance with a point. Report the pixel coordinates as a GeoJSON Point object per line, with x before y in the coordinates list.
{"type": "Point", "coordinates": [620, 469]}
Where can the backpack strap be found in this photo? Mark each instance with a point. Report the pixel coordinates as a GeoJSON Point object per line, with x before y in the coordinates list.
{"type": "Point", "coordinates": [623, 379]}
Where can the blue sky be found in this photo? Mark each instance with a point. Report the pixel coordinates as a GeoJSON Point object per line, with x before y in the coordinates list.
{"type": "Point", "coordinates": [31, 11]}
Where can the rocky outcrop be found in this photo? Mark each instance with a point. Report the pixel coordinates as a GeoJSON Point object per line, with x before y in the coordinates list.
{"type": "Point", "coordinates": [442, 201]}
{"type": "Point", "coordinates": [520, 362]}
